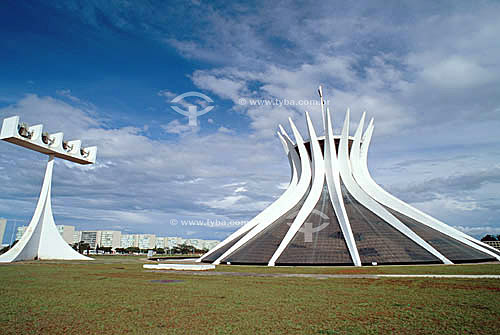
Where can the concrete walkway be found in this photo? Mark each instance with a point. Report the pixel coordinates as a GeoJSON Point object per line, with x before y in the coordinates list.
{"type": "Point", "coordinates": [321, 276]}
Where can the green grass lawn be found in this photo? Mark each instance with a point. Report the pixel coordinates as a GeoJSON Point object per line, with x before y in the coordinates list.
{"type": "Point", "coordinates": [462, 269]}
{"type": "Point", "coordinates": [114, 295]}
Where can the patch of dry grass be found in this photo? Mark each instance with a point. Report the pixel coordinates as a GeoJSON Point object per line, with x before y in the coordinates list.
{"type": "Point", "coordinates": [110, 296]}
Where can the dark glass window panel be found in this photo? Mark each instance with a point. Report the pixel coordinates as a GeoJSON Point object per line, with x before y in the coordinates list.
{"type": "Point", "coordinates": [322, 145]}
{"type": "Point", "coordinates": [261, 247]}
{"type": "Point", "coordinates": [377, 241]}
{"type": "Point", "coordinates": [320, 239]}
{"type": "Point", "coordinates": [492, 249]}
{"type": "Point", "coordinates": [213, 257]}
{"type": "Point", "coordinates": [454, 250]}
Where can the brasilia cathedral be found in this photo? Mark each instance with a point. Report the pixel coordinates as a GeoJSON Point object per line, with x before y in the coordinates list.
{"type": "Point", "coordinates": [334, 213]}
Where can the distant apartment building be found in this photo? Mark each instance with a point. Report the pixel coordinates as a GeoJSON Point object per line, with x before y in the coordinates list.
{"type": "Point", "coordinates": [101, 238]}
{"type": "Point", "coordinates": [77, 236]}
{"type": "Point", "coordinates": [210, 244]}
{"type": "Point", "coordinates": [110, 239]}
{"type": "Point", "coordinates": [197, 243]}
{"type": "Point", "coordinates": [147, 241]}
{"type": "Point", "coordinates": [161, 242]}
{"type": "Point", "coordinates": [171, 242]}
{"type": "Point", "coordinates": [175, 241]}
{"type": "Point", "coordinates": [115, 239]}
{"type": "Point", "coordinates": [3, 224]}
{"type": "Point", "coordinates": [66, 232]}
{"type": "Point", "coordinates": [129, 240]}
{"type": "Point", "coordinates": [92, 237]}
{"type": "Point", "coordinates": [20, 232]}
{"type": "Point", "coordinates": [201, 244]}
{"type": "Point", "coordinates": [141, 241]}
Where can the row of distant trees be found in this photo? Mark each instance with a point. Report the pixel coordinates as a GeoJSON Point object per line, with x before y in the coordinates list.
{"type": "Point", "coordinates": [83, 247]}
{"type": "Point", "coordinates": [182, 249]}
{"type": "Point", "coordinates": [489, 238]}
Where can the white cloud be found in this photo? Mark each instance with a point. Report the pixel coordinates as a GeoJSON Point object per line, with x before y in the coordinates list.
{"type": "Point", "coordinates": [176, 127]}
{"type": "Point", "coordinates": [466, 204]}
{"type": "Point", "coordinates": [455, 73]}
{"type": "Point", "coordinates": [224, 87]}
{"type": "Point", "coordinates": [67, 93]}
{"type": "Point", "coordinates": [235, 184]}
{"type": "Point", "coordinates": [224, 203]}
{"type": "Point", "coordinates": [167, 94]}
{"type": "Point", "coordinates": [55, 114]}
{"type": "Point", "coordinates": [240, 189]}
{"type": "Point", "coordinates": [225, 130]}
{"type": "Point", "coordinates": [480, 231]}
{"type": "Point", "coordinates": [283, 186]}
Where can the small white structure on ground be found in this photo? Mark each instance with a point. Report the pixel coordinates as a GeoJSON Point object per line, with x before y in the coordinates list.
{"type": "Point", "coordinates": [182, 267]}
{"type": "Point", "coordinates": [42, 239]}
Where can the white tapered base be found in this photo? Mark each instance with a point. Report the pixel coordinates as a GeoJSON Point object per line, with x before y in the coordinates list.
{"type": "Point", "coordinates": [42, 239]}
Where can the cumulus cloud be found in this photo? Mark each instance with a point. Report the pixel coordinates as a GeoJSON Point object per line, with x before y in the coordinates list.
{"type": "Point", "coordinates": [138, 182]}
{"type": "Point", "coordinates": [480, 231]}
{"type": "Point", "coordinates": [176, 127]}
{"type": "Point", "coordinates": [167, 94]}
{"type": "Point", "coordinates": [56, 114]}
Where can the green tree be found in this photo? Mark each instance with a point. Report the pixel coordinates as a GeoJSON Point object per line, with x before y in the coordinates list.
{"type": "Point", "coordinates": [488, 238]}
{"type": "Point", "coordinates": [132, 250]}
{"type": "Point", "coordinates": [107, 250]}
{"type": "Point", "coordinates": [83, 246]}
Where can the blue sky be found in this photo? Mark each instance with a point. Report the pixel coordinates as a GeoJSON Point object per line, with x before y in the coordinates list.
{"type": "Point", "coordinates": [105, 72]}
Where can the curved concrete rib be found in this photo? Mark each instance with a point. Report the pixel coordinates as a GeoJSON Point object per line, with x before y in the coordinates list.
{"type": "Point", "coordinates": [364, 199]}
{"type": "Point", "coordinates": [288, 202]}
{"type": "Point", "coordinates": [313, 196]}
{"type": "Point", "coordinates": [284, 134]}
{"type": "Point", "coordinates": [359, 163]}
{"type": "Point", "coordinates": [294, 161]}
{"type": "Point", "coordinates": [288, 147]}
{"type": "Point", "coordinates": [333, 182]}
{"type": "Point", "coordinates": [293, 157]}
